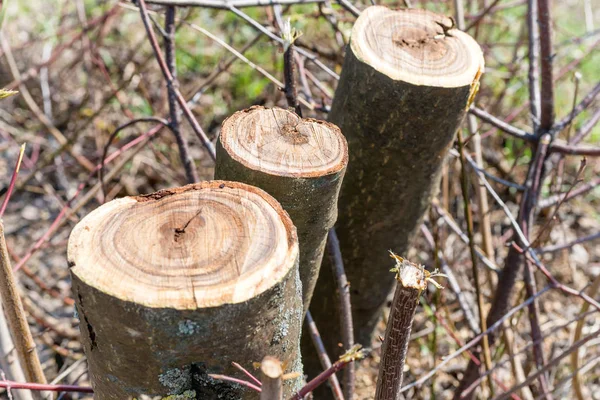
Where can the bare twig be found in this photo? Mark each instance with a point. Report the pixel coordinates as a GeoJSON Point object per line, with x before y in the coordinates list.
{"type": "Point", "coordinates": [453, 283]}
{"type": "Point", "coordinates": [503, 126]}
{"type": "Point", "coordinates": [546, 57]}
{"type": "Point", "coordinates": [323, 357]}
{"type": "Point", "coordinates": [235, 380]}
{"type": "Point", "coordinates": [13, 180]}
{"type": "Point", "coordinates": [469, 217]}
{"type": "Point", "coordinates": [170, 82]}
{"type": "Point", "coordinates": [581, 106]}
{"type": "Point", "coordinates": [245, 372]}
{"type": "Point", "coordinates": [473, 341]}
{"type": "Point", "coordinates": [563, 148]}
{"type": "Point", "coordinates": [45, 387]}
{"type": "Point", "coordinates": [160, 121]}
{"type": "Point", "coordinates": [174, 123]}
{"type": "Point", "coordinates": [17, 321]}
{"type": "Point", "coordinates": [576, 338]}
{"type": "Point", "coordinates": [343, 290]}
{"type": "Point", "coordinates": [533, 75]}
{"type": "Point", "coordinates": [550, 364]}
{"type": "Point", "coordinates": [563, 246]}
{"type": "Point", "coordinates": [348, 358]}
{"type": "Point", "coordinates": [225, 4]}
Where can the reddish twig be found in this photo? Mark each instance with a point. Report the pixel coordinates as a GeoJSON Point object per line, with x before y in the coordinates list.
{"type": "Point", "coordinates": [235, 380]}
{"type": "Point", "coordinates": [323, 357]}
{"type": "Point", "coordinates": [348, 358]}
{"type": "Point", "coordinates": [245, 372]}
{"type": "Point", "coordinates": [13, 180]}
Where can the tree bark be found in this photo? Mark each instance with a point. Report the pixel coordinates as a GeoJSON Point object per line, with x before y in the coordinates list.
{"type": "Point", "coordinates": [180, 283]}
{"type": "Point", "coordinates": [299, 161]}
{"type": "Point", "coordinates": [411, 282]}
{"type": "Point", "coordinates": [407, 80]}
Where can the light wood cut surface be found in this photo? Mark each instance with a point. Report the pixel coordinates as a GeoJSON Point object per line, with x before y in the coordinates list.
{"type": "Point", "coordinates": [278, 142]}
{"type": "Point", "coordinates": [416, 46]}
{"type": "Point", "coordinates": [199, 246]}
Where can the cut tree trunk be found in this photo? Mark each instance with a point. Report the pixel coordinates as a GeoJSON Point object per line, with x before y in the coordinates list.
{"type": "Point", "coordinates": [408, 78]}
{"type": "Point", "coordinates": [411, 282]}
{"type": "Point", "coordinates": [180, 283]}
{"type": "Point", "coordinates": [299, 161]}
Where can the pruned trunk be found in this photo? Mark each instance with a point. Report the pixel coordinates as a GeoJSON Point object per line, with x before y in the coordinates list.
{"type": "Point", "coordinates": [299, 161]}
{"type": "Point", "coordinates": [406, 83]}
{"type": "Point", "coordinates": [180, 283]}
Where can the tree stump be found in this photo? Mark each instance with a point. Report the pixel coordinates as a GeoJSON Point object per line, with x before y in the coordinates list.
{"type": "Point", "coordinates": [407, 80]}
{"type": "Point", "coordinates": [299, 161]}
{"type": "Point", "coordinates": [180, 283]}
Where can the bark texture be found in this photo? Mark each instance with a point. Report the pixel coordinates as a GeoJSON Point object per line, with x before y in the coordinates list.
{"type": "Point", "coordinates": [411, 282]}
{"type": "Point", "coordinates": [406, 82]}
{"type": "Point", "coordinates": [178, 284]}
{"type": "Point", "coordinates": [300, 162]}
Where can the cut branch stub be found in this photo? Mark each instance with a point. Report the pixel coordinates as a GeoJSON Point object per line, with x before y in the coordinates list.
{"type": "Point", "coordinates": [299, 161]}
{"type": "Point", "coordinates": [177, 284]}
{"type": "Point", "coordinates": [411, 282]}
{"type": "Point", "coordinates": [272, 379]}
{"type": "Point", "coordinates": [407, 79]}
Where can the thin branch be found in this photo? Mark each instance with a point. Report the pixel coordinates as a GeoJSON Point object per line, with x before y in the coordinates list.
{"type": "Point", "coordinates": [225, 4]}
{"type": "Point", "coordinates": [550, 364]}
{"type": "Point", "coordinates": [351, 355]}
{"type": "Point", "coordinates": [533, 74]}
{"type": "Point", "coordinates": [160, 121]}
{"type": "Point", "coordinates": [586, 128]}
{"type": "Point", "coordinates": [503, 126]}
{"type": "Point", "coordinates": [279, 40]}
{"type": "Point", "coordinates": [546, 58]}
{"type": "Point", "coordinates": [566, 196]}
{"type": "Point", "coordinates": [343, 291]}
{"type": "Point", "coordinates": [473, 341]}
{"type": "Point", "coordinates": [582, 106]}
{"type": "Point", "coordinates": [576, 337]}
{"type": "Point", "coordinates": [453, 283]}
{"type": "Point", "coordinates": [568, 245]}
{"type": "Point", "coordinates": [245, 372]}
{"type": "Point", "coordinates": [170, 82]}
{"type": "Point", "coordinates": [464, 179]}
{"type": "Point", "coordinates": [323, 357]}
{"type": "Point", "coordinates": [45, 387]}
{"type": "Point", "coordinates": [235, 380]}
{"type": "Point", "coordinates": [184, 150]}
{"type": "Point", "coordinates": [558, 146]}
{"type": "Point", "coordinates": [17, 322]}
{"type": "Point", "coordinates": [349, 7]}
{"type": "Point", "coordinates": [13, 180]}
